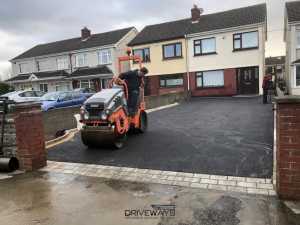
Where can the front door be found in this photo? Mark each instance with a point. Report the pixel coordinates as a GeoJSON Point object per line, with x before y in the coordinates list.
{"type": "Point", "coordinates": [248, 80]}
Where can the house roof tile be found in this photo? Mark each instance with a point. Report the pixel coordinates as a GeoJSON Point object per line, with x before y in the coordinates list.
{"type": "Point", "coordinates": [91, 71]}
{"type": "Point", "coordinates": [95, 40]}
{"type": "Point", "coordinates": [39, 75]}
{"type": "Point", "coordinates": [178, 29]}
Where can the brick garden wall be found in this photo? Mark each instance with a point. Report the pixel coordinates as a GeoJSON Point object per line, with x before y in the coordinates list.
{"type": "Point", "coordinates": [9, 141]}
{"type": "Point", "coordinates": [288, 148]}
{"type": "Point", "coordinates": [24, 136]}
{"type": "Point", "coordinates": [58, 120]}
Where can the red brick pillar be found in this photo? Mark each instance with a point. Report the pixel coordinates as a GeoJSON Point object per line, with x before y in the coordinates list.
{"type": "Point", "coordinates": [288, 148]}
{"type": "Point", "coordinates": [153, 85]}
{"type": "Point", "coordinates": [30, 139]}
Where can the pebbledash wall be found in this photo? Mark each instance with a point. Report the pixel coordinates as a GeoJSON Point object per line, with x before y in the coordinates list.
{"type": "Point", "coordinates": [288, 147]}
{"type": "Point", "coordinates": [24, 136]}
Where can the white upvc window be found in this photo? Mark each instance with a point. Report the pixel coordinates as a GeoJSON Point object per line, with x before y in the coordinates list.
{"type": "Point", "coordinates": [81, 60]}
{"type": "Point", "coordinates": [205, 46]}
{"type": "Point", "coordinates": [85, 84]}
{"type": "Point", "coordinates": [210, 79]}
{"type": "Point", "coordinates": [104, 57]}
{"type": "Point", "coordinates": [246, 40]}
{"type": "Point", "coordinates": [61, 86]}
{"type": "Point", "coordinates": [298, 39]}
{"type": "Point", "coordinates": [24, 68]}
{"type": "Point", "coordinates": [62, 63]}
{"type": "Point", "coordinates": [43, 65]}
{"type": "Point", "coordinates": [44, 87]}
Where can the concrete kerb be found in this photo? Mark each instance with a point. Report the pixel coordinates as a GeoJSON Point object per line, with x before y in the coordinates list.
{"type": "Point", "coordinates": [256, 186]}
{"type": "Point", "coordinates": [67, 136]}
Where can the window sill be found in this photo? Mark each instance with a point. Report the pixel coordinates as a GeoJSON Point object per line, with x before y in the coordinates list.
{"type": "Point", "coordinates": [204, 88]}
{"type": "Point", "coordinates": [204, 54]}
{"type": "Point", "coordinates": [104, 64]}
{"type": "Point", "coordinates": [80, 67]}
{"type": "Point", "coordinates": [245, 49]}
{"type": "Point", "coordinates": [173, 58]}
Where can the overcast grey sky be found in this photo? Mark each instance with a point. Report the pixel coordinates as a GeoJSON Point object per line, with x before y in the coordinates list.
{"type": "Point", "coordinates": [25, 23]}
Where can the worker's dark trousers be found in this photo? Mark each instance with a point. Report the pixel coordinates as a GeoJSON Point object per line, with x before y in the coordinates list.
{"type": "Point", "coordinates": [265, 96]}
{"type": "Point", "coordinates": [133, 97]}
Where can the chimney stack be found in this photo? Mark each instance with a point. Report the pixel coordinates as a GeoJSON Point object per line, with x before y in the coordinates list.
{"type": "Point", "coordinates": [196, 13]}
{"type": "Point", "coordinates": [85, 33]}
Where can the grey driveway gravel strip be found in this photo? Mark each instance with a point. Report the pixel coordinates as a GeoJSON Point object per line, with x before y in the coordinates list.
{"type": "Point", "coordinates": [224, 183]}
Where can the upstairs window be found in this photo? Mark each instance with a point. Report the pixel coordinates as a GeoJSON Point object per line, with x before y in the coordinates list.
{"type": "Point", "coordinates": [80, 60]}
{"type": "Point", "coordinates": [24, 68]}
{"type": "Point", "coordinates": [104, 57]}
{"type": "Point", "coordinates": [243, 41]}
{"type": "Point", "coordinates": [43, 65]}
{"type": "Point", "coordinates": [298, 38]}
{"type": "Point", "coordinates": [62, 63]}
{"type": "Point", "coordinates": [205, 46]}
{"type": "Point", "coordinates": [143, 53]}
{"type": "Point", "coordinates": [172, 51]}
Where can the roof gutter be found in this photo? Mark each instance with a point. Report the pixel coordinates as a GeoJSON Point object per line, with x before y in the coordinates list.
{"type": "Point", "coordinates": [63, 53]}
{"type": "Point", "coordinates": [36, 80]}
{"type": "Point", "coordinates": [109, 75]}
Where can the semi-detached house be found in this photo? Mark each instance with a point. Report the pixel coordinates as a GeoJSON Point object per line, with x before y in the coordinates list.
{"type": "Point", "coordinates": [88, 61]}
{"type": "Point", "coordinates": [209, 55]}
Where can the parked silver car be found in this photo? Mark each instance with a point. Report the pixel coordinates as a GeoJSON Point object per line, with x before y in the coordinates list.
{"type": "Point", "coordinates": [24, 96]}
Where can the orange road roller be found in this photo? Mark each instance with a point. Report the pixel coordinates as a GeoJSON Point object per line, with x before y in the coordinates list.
{"type": "Point", "coordinates": [105, 117]}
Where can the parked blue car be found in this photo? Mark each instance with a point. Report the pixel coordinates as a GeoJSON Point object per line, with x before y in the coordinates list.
{"type": "Point", "coordinates": [88, 92]}
{"type": "Point", "coordinates": [61, 99]}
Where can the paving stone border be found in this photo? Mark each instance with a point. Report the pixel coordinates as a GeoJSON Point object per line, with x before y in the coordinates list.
{"type": "Point", "coordinates": [204, 181]}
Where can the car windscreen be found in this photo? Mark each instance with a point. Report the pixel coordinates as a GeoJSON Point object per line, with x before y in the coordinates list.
{"type": "Point", "coordinates": [51, 96]}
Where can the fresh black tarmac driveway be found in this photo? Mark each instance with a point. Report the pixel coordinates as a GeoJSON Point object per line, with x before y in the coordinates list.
{"type": "Point", "coordinates": [221, 136]}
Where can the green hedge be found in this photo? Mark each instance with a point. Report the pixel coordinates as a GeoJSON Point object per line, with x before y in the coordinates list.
{"type": "Point", "coordinates": [5, 88]}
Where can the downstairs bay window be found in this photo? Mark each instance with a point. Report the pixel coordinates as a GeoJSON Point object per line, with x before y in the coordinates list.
{"type": "Point", "coordinates": [210, 79]}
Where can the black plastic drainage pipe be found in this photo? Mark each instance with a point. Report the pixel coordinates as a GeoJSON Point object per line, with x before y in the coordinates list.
{"type": "Point", "coordinates": [9, 164]}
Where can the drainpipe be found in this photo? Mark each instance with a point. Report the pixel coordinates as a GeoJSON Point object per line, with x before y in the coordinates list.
{"type": "Point", "coordinates": [187, 62]}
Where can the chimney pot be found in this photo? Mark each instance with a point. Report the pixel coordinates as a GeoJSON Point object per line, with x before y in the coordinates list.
{"type": "Point", "coordinates": [85, 33]}
{"type": "Point", "coordinates": [196, 13]}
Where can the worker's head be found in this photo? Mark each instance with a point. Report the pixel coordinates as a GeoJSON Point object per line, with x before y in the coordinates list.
{"type": "Point", "coordinates": [143, 71]}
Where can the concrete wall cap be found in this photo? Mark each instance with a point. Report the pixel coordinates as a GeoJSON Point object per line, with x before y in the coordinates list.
{"type": "Point", "coordinates": [288, 99]}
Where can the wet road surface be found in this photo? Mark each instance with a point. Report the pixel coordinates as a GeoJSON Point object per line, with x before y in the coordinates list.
{"type": "Point", "coordinates": [42, 198]}
{"type": "Point", "coordinates": [221, 136]}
